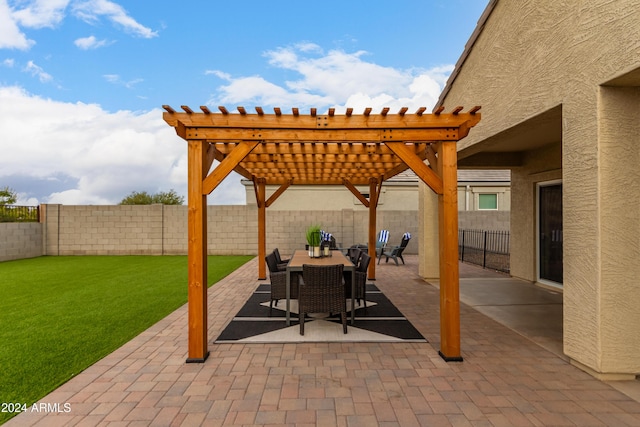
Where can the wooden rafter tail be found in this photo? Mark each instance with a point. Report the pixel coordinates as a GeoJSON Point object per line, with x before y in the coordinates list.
{"type": "Point", "coordinates": [475, 109]}
{"type": "Point", "coordinates": [349, 112]}
{"type": "Point", "coordinates": [402, 111]}
{"type": "Point", "coordinates": [421, 111]}
{"type": "Point", "coordinates": [313, 112]}
{"type": "Point", "coordinates": [439, 110]}
{"type": "Point", "coordinates": [242, 111]}
{"type": "Point", "coordinates": [457, 110]}
{"type": "Point", "coordinates": [168, 109]}
{"type": "Point", "coordinates": [295, 111]}
{"type": "Point", "coordinates": [260, 111]}
{"type": "Point", "coordinates": [277, 111]}
{"type": "Point", "coordinates": [186, 109]}
{"type": "Point", "coordinates": [367, 111]}
{"type": "Point", "coordinates": [332, 112]}
{"type": "Point", "coordinates": [223, 109]}
{"type": "Point", "coordinates": [384, 111]}
{"type": "Point", "coordinates": [205, 109]}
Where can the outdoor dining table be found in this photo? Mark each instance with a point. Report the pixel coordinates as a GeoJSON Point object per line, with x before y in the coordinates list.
{"type": "Point", "coordinates": [301, 257]}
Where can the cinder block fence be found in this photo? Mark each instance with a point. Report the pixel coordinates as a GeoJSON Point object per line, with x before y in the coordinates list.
{"type": "Point", "coordinates": [232, 230]}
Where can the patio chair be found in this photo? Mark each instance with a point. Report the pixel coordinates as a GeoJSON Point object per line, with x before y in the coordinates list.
{"type": "Point", "coordinates": [322, 291]}
{"type": "Point", "coordinates": [282, 263]}
{"type": "Point", "coordinates": [361, 281]}
{"type": "Point", "coordinates": [381, 243]}
{"type": "Point", "coordinates": [354, 253]}
{"type": "Point", "coordinates": [278, 280]}
{"type": "Point", "coordinates": [396, 251]}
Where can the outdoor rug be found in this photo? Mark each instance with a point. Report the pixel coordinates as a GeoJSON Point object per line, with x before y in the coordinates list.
{"type": "Point", "coordinates": [380, 322]}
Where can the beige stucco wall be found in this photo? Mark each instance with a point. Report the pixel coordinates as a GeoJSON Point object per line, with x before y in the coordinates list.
{"type": "Point", "coordinates": [469, 196]}
{"type": "Point", "coordinates": [335, 197]}
{"type": "Point", "coordinates": [619, 202]}
{"type": "Point", "coordinates": [530, 58]}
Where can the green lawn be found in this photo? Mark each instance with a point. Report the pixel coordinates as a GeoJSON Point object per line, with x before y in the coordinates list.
{"type": "Point", "coordinates": [59, 315]}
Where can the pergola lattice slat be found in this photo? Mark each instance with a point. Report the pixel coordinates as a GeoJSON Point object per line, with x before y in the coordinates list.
{"type": "Point", "coordinates": [330, 149]}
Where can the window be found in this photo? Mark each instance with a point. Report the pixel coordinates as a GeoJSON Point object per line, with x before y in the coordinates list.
{"type": "Point", "coordinates": [487, 202]}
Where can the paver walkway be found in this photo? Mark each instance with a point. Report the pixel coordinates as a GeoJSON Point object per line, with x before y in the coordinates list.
{"type": "Point", "coordinates": [505, 379]}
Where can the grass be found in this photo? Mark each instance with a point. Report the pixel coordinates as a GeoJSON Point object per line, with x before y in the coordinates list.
{"type": "Point", "coordinates": [59, 315]}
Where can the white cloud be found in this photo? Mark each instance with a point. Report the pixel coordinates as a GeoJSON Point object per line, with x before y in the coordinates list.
{"type": "Point", "coordinates": [51, 13]}
{"type": "Point", "coordinates": [41, 13]}
{"type": "Point", "coordinates": [116, 80]}
{"type": "Point", "coordinates": [37, 71]}
{"type": "Point", "coordinates": [87, 43]}
{"type": "Point", "coordinates": [10, 36]}
{"type": "Point", "coordinates": [105, 155]}
{"type": "Point", "coordinates": [9, 62]}
{"type": "Point", "coordinates": [337, 79]}
{"type": "Point", "coordinates": [82, 154]}
{"type": "Point", "coordinates": [91, 10]}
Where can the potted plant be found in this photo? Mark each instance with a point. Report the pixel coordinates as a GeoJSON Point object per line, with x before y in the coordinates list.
{"type": "Point", "coordinates": [313, 240]}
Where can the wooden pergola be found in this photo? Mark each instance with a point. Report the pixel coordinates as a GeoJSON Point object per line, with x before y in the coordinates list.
{"type": "Point", "coordinates": [321, 149]}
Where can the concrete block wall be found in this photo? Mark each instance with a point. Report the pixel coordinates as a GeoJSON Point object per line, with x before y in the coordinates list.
{"type": "Point", "coordinates": [162, 230]}
{"type": "Point", "coordinates": [20, 240]}
{"type": "Point", "coordinates": [231, 230]}
{"type": "Point", "coordinates": [105, 230]}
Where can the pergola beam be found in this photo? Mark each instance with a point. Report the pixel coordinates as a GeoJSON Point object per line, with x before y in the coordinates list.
{"type": "Point", "coordinates": [269, 135]}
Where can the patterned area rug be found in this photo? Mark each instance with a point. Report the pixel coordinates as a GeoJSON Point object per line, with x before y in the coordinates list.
{"type": "Point", "coordinates": [380, 321]}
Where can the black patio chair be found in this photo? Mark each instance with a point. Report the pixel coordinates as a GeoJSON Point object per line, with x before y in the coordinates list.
{"type": "Point", "coordinates": [278, 280]}
{"type": "Point", "coordinates": [361, 281]}
{"type": "Point", "coordinates": [322, 291]}
{"type": "Point", "coordinates": [282, 263]}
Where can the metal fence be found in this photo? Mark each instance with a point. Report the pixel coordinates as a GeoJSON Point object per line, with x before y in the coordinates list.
{"type": "Point", "coordinates": [490, 249]}
{"type": "Point", "coordinates": [11, 213]}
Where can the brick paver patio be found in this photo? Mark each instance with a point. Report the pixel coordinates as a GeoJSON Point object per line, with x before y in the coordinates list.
{"type": "Point", "coordinates": [505, 379]}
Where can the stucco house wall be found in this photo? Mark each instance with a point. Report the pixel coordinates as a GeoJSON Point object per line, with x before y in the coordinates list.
{"type": "Point", "coordinates": [558, 82]}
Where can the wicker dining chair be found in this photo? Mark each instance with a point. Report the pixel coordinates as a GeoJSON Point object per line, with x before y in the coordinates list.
{"type": "Point", "coordinates": [282, 263]}
{"type": "Point", "coordinates": [322, 291]}
{"type": "Point", "coordinates": [278, 280]}
{"type": "Point", "coordinates": [361, 280]}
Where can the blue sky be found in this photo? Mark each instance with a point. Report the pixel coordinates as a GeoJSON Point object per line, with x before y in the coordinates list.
{"type": "Point", "coordinates": [82, 82]}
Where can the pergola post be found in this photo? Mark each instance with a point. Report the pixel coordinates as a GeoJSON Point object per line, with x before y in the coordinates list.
{"type": "Point", "coordinates": [373, 205]}
{"type": "Point", "coordinates": [197, 253]}
{"type": "Point", "coordinates": [260, 187]}
{"type": "Point", "coordinates": [447, 166]}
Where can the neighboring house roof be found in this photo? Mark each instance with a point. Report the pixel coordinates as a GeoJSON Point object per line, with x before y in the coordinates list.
{"type": "Point", "coordinates": [482, 175]}
{"type": "Point", "coordinates": [464, 175]}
